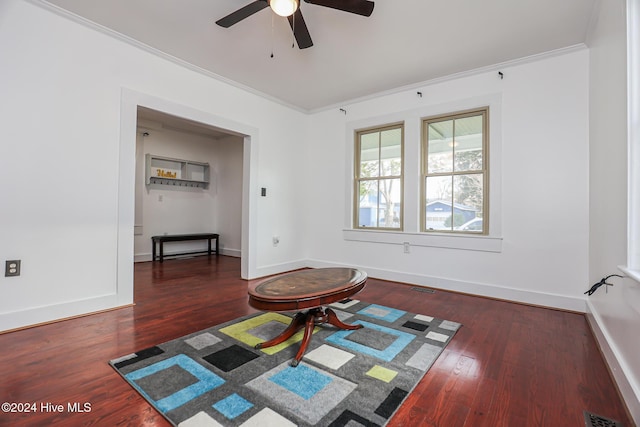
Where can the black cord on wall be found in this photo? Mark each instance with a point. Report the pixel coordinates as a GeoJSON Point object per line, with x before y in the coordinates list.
{"type": "Point", "coordinates": [600, 283]}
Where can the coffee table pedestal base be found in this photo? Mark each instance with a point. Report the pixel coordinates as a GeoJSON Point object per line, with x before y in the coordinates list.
{"type": "Point", "coordinates": [308, 320]}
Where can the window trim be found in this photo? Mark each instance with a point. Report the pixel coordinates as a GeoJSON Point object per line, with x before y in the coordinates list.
{"type": "Point", "coordinates": [484, 111]}
{"type": "Point", "coordinates": [412, 119]}
{"type": "Point", "coordinates": [357, 179]}
{"type": "Point", "coordinates": [467, 242]}
{"type": "Point", "coordinates": [632, 268]}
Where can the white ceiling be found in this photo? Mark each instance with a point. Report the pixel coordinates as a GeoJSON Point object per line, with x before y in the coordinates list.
{"type": "Point", "coordinates": [404, 42]}
{"type": "Point", "coordinates": [152, 120]}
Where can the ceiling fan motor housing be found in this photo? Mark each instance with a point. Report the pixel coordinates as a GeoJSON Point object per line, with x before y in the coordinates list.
{"type": "Point", "coordinates": [291, 10]}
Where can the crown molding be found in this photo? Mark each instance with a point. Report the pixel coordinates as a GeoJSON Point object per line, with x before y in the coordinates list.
{"type": "Point", "coordinates": [157, 52]}
{"type": "Point", "coordinates": [459, 75]}
{"type": "Point", "coordinates": [154, 51]}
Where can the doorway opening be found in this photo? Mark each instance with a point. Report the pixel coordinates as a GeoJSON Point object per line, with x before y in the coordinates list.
{"type": "Point", "coordinates": [188, 181]}
{"type": "Point", "coordinates": [227, 139]}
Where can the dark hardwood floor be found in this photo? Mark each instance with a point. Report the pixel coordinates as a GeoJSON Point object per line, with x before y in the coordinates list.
{"type": "Point", "coordinates": [509, 364]}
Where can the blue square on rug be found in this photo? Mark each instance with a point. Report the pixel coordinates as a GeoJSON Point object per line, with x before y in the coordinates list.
{"type": "Point", "coordinates": [303, 381]}
{"type": "Point", "coordinates": [207, 381]}
{"type": "Point", "coordinates": [341, 338]}
{"type": "Point", "coordinates": [308, 402]}
{"type": "Point", "coordinates": [233, 406]}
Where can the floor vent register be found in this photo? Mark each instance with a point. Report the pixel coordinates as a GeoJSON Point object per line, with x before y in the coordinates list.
{"type": "Point", "coordinates": [593, 420]}
{"type": "Point", "coordinates": [424, 290]}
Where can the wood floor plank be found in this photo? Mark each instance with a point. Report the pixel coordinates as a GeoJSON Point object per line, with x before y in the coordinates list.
{"type": "Point", "coordinates": [508, 365]}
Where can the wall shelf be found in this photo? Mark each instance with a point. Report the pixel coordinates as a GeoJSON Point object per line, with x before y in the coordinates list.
{"type": "Point", "coordinates": [176, 172]}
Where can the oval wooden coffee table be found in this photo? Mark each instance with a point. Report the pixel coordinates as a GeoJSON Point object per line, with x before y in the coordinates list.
{"type": "Point", "coordinates": [306, 289]}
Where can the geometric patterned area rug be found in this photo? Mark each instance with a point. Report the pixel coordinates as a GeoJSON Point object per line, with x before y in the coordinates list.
{"type": "Point", "coordinates": [215, 377]}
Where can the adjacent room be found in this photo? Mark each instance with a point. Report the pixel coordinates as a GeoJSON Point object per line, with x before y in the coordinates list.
{"type": "Point", "coordinates": [206, 197]}
{"type": "Point", "coordinates": [464, 176]}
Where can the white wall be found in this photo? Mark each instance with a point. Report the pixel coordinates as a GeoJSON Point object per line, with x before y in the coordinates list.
{"type": "Point", "coordinates": [62, 87]}
{"type": "Point", "coordinates": [166, 209]}
{"type": "Point", "coordinates": [613, 312]}
{"type": "Point", "coordinates": [539, 168]}
{"type": "Point", "coordinates": [228, 161]}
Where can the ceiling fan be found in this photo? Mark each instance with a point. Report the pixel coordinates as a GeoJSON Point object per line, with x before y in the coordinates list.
{"type": "Point", "coordinates": [294, 15]}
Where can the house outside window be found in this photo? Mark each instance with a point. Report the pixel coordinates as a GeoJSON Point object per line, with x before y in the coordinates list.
{"type": "Point", "coordinates": [379, 177]}
{"type": "Point", "coordinates": [455, 173]}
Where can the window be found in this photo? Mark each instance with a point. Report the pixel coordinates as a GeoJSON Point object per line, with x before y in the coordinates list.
{"type": "Point", "coordinates": [455, 173]}
{"type": "Point", "coordinates": [378, 177]}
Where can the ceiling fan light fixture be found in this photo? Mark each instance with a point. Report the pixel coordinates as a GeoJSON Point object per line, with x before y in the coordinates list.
{"type": "Point", "coordinates": [284, 7]}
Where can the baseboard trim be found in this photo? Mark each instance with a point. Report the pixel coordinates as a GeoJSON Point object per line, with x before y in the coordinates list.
{"type": "Point", "coordinates": [32, 317]}
{"type": "Point", "coordinates": [231, 252]}
{"type": "Point", "coordinates": [628, 389]}
{"type": "Point", "coordinates": [561, 302]}
{"type": "Point", "coordinates": [146, 257]}
{"type": "Point", "coordinates": [270, 270]}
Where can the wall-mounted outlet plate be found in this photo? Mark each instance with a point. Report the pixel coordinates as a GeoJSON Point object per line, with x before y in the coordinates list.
{"type": "Point", "coordinates": [12, 268]}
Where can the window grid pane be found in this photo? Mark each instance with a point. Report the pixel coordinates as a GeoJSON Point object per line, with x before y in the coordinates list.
{"type": "Point", "coordinates": [439, 191]}
{"type": "Point", "coordinates": [440, 147]}
{"type": "Point", "coordinates": [468, 144]}
{"type": "Point", "coordinates": [368, 204]}
{"type": "Point", "coordinates": [391, 152]}
{"type": "Point", "coordinates": [389, 203]}
{"type": "Point", "coordinates": [369, 155]}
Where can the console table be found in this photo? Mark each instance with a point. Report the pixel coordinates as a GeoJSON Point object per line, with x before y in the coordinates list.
{"type": "Point", "coordinates": [306, 289]}
{"type": "Point", "coordinates": [161, 240]}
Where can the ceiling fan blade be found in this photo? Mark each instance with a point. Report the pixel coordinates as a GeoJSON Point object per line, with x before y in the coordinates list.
{"type": "Point", "coordinates": [300, 30]}
{"type": "Point", "coordinates": [360, 7]}
{"type": "Point", "coordinates": [242, 13]}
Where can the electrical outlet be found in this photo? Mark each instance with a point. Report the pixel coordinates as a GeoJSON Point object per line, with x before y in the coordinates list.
{"type": "Point", "coordinates": [276, 240]}
{"type": "Point", "coordinates": [12, 268]}
{"type": "Point", "coordinates": [406, 247]}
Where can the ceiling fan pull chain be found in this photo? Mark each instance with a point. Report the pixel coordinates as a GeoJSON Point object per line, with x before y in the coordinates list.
{"type": "Point", "coordinates": [272, 35]}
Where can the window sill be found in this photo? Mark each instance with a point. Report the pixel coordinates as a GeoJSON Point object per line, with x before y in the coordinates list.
{"type": "Point", "coordinates": [441, 240]}
{"type": "Point", "coordinates": [631, 273]}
